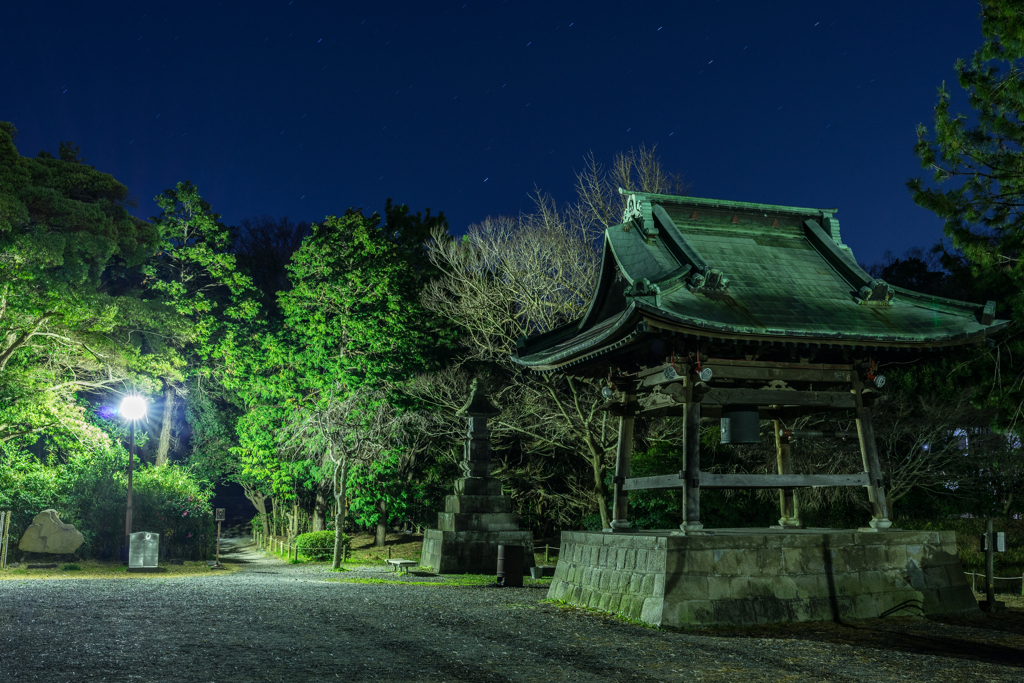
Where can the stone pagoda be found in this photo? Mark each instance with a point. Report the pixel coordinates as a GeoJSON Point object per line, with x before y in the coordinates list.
{"type": "Point", "coordinates": [477, 519]}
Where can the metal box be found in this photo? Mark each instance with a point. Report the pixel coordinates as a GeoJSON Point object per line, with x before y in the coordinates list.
{"type": "Point", "coordinates": [144, 550]}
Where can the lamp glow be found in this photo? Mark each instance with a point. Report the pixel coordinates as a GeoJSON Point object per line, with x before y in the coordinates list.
{"type": "Point", "coordinates": [133, 407]}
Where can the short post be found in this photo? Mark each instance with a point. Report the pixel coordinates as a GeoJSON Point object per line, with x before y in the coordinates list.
{"type": "Point", "coordinates": [219, 516]}
{"type": "Point", "coordinates": [546, 553]}
{"type": "Point", "coordinates": [990, 566]}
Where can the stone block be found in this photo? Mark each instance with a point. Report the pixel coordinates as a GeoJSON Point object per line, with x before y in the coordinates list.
{"type": "Point", "coordinates": [956, 576]}
{"type": "Point", "coordinates": [769, 610]}
{"type": "Point", "coordinates": [47, 534]}
{"type": "Point", "coordinates": [726, 561]}
{"type": "Point", "coordinates": [656, 560]}
{"type": "Point", "coordinates": [586, 595]}
{"type": "Point", "coordinates": [477, 504]}
{"type": "Point", "coordinates": [699, 561]}
{"type": "Point", "coordinates": [629, 560]}
{"type": "Point", "coordinates": [659, 585]}
{"type": "Point", "coordinates": [557, 589]}
{"type": "Point", "coordinates": [647, 585]}
{"type": "Point", "coordinates": [614, 603]}
{"type": "Point", "coordinates": [864, 607]}
{"type": "Point", "coordinates": [635, 581]}
{"type": "Point", "coordinates": [784, 587]}
{"type": "Point", "coordinates": [792, 560]}
{"type": "Point", "coordinates": [739, 612]}
{"type": "Point", "coordinates": [810, 585]}
{"type": "Point", "coordinates": [652, 611]}
{"type": "Point", "coordinates": [935, 577]}
{"type": "Point", "coordinates": [896, 555]}
{"type": "Point", "coordinates": [748, 562]}
{"type": "Point", "coordinates": [718, 587]}
{"type": "Point", "coordinates": [461, 521]}
{"type": "Point", "coordinates": [480, 486]}
{"type": "Point", "coordinates": [631, 606]}
{"type": "Point", "coordinates": [875, 556]}
{"type": "Point", "coordinates": [620, 558]}
{"type": "Point", "coordinates": [769, 561]}
{"type": "Point", "coordinates": [679, 587]}
{"type": "Point", "coordinates": [620, 540]}
{"type": "Point", "coordinates": [739, 588]}
{"type": "Point", "coordinates": [641, 559]}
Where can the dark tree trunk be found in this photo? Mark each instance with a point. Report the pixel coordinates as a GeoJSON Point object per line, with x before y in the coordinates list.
{"type": "Point", "coordinates": [164, 444]}
{"type": "Point", "coordinates": [382, 523]}
{"type": "Point", "coordinates": [320, 511]}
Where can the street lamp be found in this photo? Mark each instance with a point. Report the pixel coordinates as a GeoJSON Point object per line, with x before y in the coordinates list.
{"type": "Point", "coordinates": [133, 408]}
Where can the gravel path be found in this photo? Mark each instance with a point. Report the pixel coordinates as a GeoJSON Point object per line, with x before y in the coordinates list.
{"type": "Point", "coordinates": [278, 622]}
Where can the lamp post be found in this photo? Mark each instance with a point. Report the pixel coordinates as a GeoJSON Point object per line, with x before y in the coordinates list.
{"type": "Point", "coordinates": [133, 408]}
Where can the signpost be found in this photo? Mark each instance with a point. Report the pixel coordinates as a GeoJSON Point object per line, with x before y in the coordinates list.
{"type": "Point", "coordinates": [220, 518]}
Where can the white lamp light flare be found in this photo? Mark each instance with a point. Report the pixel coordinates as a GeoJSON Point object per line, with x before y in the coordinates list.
{"type": "Point", "coordinates": [133, 407]}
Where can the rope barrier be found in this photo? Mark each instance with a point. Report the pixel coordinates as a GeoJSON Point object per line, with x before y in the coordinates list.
{"type": "Point", "coordinates": [974, 575]}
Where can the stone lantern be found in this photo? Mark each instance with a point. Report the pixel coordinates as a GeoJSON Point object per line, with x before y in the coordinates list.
{"type": "Point", "coordinates": [477, 519]}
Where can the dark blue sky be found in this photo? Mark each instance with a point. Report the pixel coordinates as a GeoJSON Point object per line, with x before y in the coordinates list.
{"type": "Point", "coordinates": [306, 108]}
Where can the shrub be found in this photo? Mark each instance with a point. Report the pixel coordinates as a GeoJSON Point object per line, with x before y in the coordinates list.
{"type": "Point", "coordinates": [319, 545]}
{"type": "Point", "coordinates": [89, 490]}
{"type": "Point", "coordinates": [71, 567]}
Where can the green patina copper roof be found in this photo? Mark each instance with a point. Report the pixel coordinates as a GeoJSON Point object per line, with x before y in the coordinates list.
{"type": "Point", "coordinates": [755, 272]}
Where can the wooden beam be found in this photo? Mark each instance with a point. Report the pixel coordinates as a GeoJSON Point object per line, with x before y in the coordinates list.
{"type": "Point", "coordinates": [668, 481]}
{"type": "Point", "coordinates": [709, 480]}
{"type": "Point", "coordinates": [779, 481]}
{"type": "Point", "coordinates": [779, 397]}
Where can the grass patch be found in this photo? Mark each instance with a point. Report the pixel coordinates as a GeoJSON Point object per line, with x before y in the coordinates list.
{"type": "Point", "coordinates": [398, 546]}
{"type": "Point", "coordinates": [457, 580]}
{"type": "Point", "coordinates": [602, 613]}
{"type": "Point", "coordinates": [94, 569]}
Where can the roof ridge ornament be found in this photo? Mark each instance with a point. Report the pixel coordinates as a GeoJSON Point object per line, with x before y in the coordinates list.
{"type": "Point", "coordinates": [875, 293]}
{"type": "Point", "coordinates": [638, 211]}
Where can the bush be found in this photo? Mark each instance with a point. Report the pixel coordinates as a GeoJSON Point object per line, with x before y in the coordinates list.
{"type": "Point", "coordinates": [319, 545]}
{"type": "Point", "coordinates": [89, 490]}
{"type": "Point", "coordinates": [71, 567]}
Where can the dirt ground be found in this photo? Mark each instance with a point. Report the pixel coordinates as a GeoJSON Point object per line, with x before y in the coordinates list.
{"type": "Point", "coordinates": [273, 621]}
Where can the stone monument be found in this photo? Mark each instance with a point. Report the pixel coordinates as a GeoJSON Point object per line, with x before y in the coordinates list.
{"type": "Point", "coordinates": [47, 534]}
{"type": "Point", "coordinates": [477, 519]}
{"type": "Point", "coordinates": [144, 552]}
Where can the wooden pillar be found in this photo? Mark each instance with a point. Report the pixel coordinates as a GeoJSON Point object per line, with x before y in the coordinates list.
{"type": "Point", "coordinates": [787, 497]}
{"type": "Point", "coordinates": [623, 454]}
{"type": "Point", "coordinates": [869, 455]}
{"type": "Point", "coordinates": [691, 463]}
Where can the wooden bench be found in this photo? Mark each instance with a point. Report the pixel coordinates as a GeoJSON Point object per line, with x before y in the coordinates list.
{"type": "Point", "coordinates": [402, 564]}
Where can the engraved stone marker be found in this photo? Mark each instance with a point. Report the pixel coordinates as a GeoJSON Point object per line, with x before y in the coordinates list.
{"type": "Point", "coordinates": [144, 550]}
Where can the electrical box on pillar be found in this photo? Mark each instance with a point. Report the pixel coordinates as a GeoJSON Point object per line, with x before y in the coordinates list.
{"type": "Point", "coordinates": [740, 424]}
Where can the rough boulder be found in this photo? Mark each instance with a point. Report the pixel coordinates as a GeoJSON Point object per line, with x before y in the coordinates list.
{"type": "Point", "coordinates": [47, 534]}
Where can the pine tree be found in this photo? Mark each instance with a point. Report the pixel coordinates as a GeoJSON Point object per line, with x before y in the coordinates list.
{"type": "Point", "coordinates": [978, 159]}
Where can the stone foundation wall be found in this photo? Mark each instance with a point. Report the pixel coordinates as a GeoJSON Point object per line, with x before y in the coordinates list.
{"type": "Point", "coordinates": [755, 577]}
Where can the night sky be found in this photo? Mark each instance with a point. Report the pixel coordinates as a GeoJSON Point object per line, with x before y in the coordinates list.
{"type": "Point", "coordinates": [303, 109]}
